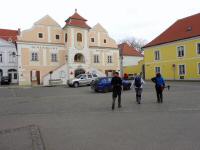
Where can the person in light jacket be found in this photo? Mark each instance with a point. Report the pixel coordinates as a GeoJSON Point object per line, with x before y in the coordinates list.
{"type": "Point", "coordinates": [138, 86]}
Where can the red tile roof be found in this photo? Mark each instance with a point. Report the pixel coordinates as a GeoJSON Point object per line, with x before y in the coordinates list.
{"type": "Point", "coordinates": [128, 50]}
{"type": "Point", "coordinates": [77, 20]}
{"type": "Point", "coordinates": [182, 29]}
{"type": "Point", "coordinates": [8, 34]}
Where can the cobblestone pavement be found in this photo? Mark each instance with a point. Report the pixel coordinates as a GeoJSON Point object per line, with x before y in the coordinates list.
{"type": "Point", "coordinates": [79, 119]}
{"type": "Point", "coordinates": [23, 138]}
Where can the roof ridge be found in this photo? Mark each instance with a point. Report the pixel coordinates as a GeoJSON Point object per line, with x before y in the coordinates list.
{"type": "Point", "coordinates": [178, 31]}
{"type": "Point", "coordinates": [188, 16]}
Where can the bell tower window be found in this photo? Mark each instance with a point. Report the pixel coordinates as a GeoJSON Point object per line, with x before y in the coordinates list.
{"type": "Point", "coordinates": [79, 37]}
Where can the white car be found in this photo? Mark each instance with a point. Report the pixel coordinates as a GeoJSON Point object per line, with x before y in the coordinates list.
{"type": "Point", "coordinates": [82, 79]}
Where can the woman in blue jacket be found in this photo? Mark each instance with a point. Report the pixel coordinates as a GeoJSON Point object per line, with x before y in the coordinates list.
{"type": "Point", "coordinates": [159, 85]}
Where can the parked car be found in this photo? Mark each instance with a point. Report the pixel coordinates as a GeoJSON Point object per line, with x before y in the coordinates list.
{"type": "Point", "coordinates": [104, 84]}
{"type": "Point", "coordinates": [82, 79]}
{"type": "Point", "coordinates": [5, 80]}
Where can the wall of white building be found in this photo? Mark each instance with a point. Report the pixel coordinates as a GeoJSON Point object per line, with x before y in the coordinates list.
{"type": "Point", "coordinates": [131, 60]}
{"type": "Point", "coordinates": [8, 61]}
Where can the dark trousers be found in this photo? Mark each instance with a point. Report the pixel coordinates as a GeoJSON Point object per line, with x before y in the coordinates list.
{"type": "Point", "coordinates": [159, 94]}
{"type": "Point", "coordinates": [116, 93]}
{"type": "Point", "coordinates": [138, 92]}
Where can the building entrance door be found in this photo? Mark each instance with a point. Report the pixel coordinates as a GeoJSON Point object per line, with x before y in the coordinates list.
{"type": "Point", "coordinates": [79, 71]}
{"type": "Point", "coordinates": [12, 74]}
{"type": "Point", "coordinates": [1, 73]}
{"type": "Point", "coordinates": [35, 77]}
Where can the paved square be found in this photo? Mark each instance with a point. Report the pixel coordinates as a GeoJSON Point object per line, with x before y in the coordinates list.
{"type": "Point", "coordinates": [23, 138]}
{"type": "Point", "coordinates": [78, 119]}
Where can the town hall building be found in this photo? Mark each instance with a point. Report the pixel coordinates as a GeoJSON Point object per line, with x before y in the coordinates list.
{"type": "Point", "coordinates": [48, 51]}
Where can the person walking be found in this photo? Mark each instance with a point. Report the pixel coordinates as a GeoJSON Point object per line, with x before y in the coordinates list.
{"type": "Point", "coordinates": [116, 83]}
{"type": "Point", "coordinates": [138, 86]}
{"type": "Point", "coordinates": [159, 86]}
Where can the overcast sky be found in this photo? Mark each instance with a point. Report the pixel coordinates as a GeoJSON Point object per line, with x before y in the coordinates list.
{"type": "Point", "coordinates": [144, 19]}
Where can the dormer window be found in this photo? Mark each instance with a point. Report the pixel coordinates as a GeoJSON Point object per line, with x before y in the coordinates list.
{"type": "Point", "coordinates": [40, 35]}
{"type": "Point", "coordinates": [92, 40]}
{"type": "Point", "coordinates": [105, 41]}
{"type": "Point", "coordinates": [79, 37]}
{"type": "Point", "coordinates": [189, 28]}
{"type": "Point", "coordinates": [57, 37]}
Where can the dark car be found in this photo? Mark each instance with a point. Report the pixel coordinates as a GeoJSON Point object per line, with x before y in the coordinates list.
{"type": "Point", "coordinates": [5, 80]}
{"type": "Point", "coordinates": [103, 84]}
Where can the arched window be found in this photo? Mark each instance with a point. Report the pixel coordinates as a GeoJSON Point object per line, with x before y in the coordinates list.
{"type": "Point", "coordinates": [65, 37]}
{"type": "Point", "coordinates": [79, 58]}
{"type": "Point", "coordinates": [79, 37]}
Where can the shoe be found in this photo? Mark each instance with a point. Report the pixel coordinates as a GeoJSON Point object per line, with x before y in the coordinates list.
{"type": "Point", "coordinates": [113, 107]}
{"type": "Point", "coordinates": [138, 102]}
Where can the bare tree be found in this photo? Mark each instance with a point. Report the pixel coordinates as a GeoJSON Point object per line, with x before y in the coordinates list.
{"type": "Point", "coordinates": [137, 43]}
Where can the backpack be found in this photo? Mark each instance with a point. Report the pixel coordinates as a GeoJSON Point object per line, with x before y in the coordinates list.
{"type": "Point", "coordinates": [138, 82]}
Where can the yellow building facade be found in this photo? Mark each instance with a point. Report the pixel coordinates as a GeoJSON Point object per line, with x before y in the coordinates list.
{"type": "Point", "coordinates": [170, 63]}
{"type": "Point", "coordinates": [136, 69]}
{"type": "Point", "coordinates": [176, 52]}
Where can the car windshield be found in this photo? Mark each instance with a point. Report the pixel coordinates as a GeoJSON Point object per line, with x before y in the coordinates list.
{"type": "Point", "coordinates": [79, 76]}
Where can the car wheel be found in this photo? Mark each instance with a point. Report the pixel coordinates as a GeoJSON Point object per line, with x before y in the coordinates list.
{"type": "Point", "coordinates": [76, 84]}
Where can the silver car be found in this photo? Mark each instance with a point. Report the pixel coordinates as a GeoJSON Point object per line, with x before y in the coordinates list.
{"type": "Point", "coordinates": [81, 80]}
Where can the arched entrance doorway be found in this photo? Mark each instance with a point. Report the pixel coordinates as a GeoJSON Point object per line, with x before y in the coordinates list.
{"type": "Point", "coordinates": [12, 74]}
{"type": "Point", "coordinates": [79, 71]}
{"type": "Point", "coordinates": [79, 58]}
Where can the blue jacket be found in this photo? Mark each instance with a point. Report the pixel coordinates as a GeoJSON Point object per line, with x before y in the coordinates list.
{"type": "Point", "coordinates": [159, 81]}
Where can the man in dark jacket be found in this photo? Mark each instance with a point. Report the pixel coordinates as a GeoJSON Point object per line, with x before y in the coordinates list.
{"type": "Point", "coordinates": [117, 88]}
{"type": "Point", "coordinates": [159, 85]}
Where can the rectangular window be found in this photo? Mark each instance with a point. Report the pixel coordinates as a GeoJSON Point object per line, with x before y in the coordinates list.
{"type": "Point", "coordinates": [40, 35]}
{"type": "Point", "coordinates": [104, 40]}
{"type": "Point", "coordinates": [180, 51]}
{"type": "Point", "coordinates": [34, 56]}
{"type": "Point", "coordinates": [181, 69]}
{"type": "Point", "coordinates": [1, 58]}
{"type": "Point", "coordinates": [89, 76]}
{"type": "Point", "coordinates": [96, 58]}
{"type": "Point", "coordinates": [92, 40]}
{"type": "Point", "coordinates": [57, 37]}
{"type": "Point", "coordinates": [54, 57]}
{"type": "Point", "coordinates": [12, 58]}
{"type": "Point", "coordinates": [157, 69]}
{"type": "Point", "coordinates": [157, 55]}
{"type": "Point", "coordinates": [15, 75]}
{"type": "Point", "coordinates": [109, 59]}
{"type": "Point", "coordinates": [198, 48]}
{"type": "Point", "coordinates": [199, 68]}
